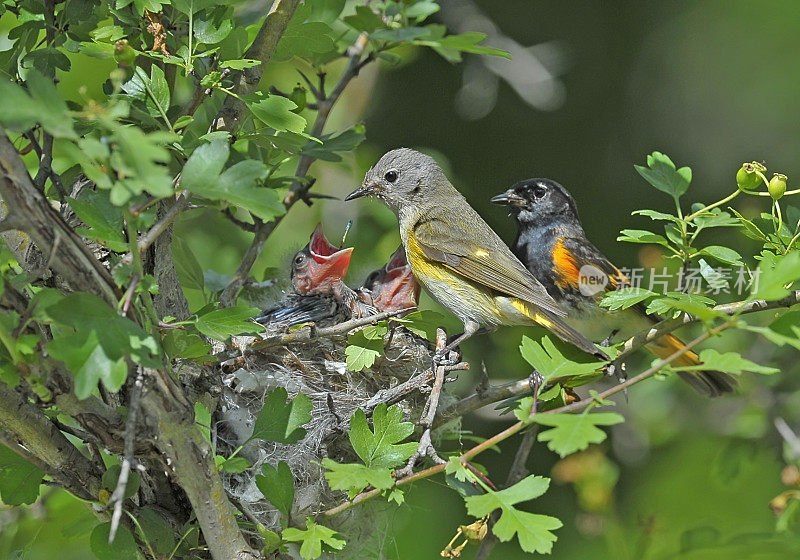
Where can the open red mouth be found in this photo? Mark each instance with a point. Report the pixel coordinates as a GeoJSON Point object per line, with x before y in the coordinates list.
{"type": "Point", "coordinates": [327, 266]}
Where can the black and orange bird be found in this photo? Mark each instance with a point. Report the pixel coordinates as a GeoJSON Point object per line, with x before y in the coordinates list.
{"type": "Point", "coordinates": [552, 245]}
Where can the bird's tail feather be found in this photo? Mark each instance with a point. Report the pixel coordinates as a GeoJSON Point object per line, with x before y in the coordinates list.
{"type": "Point", "coordinates": [709, 383]}
{"type": "Point", "coordinates": [567, 333]}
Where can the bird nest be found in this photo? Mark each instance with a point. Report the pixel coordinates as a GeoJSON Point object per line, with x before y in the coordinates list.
{"type": "Point", "coordinates": [316, 368]}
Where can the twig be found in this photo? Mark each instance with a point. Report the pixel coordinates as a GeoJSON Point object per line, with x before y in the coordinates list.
{"type": "Point", "coordinates": [517, 471]}
{"type": "Point", "coordinates": [118, 496]}
{"type": "Point", "coordinates": [425, 448]}
{"type": "Point", "coordinates": [46, 168]}
{"type": "Point", "coordinates": [788, 436]}
{"type": "Point", "coordinates": [148, 238]}
{"type": "Point", "coordinates": [304, 335]}
{"type": "Point", "coordinates": [299, 187]}
{"type": "Point", "coordinates": [519, 426]}
{"type": "Point", "coordinates": [246, 226]}
{"type": "Point", "coordinates": [492, 394]}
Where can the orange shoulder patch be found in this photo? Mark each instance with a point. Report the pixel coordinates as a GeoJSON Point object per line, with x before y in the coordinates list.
{"type": "Point", "coordinates": [564, 266]}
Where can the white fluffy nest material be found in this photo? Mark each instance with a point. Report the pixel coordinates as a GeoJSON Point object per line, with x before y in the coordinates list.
{"type": "Point", "coordinates": [317, 369]}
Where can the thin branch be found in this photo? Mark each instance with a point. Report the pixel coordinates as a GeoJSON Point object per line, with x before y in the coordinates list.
{"type": "Point", "coordinates": [148, 238]}
{"type": "Point", "coordinates": [497, 393]}
{"type": "Point", "coordinates": [246, 226]}
{"type": "Point", "coordinates": [118, 496]}
{"type": "Point", "coordinates": [298, 188]}
{"type": "Point", "coordinates": [519, 426]}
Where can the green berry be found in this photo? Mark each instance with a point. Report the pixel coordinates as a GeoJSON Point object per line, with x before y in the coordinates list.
{"type": "Point", "coordinates": [747, 177]}
{"type": "Point", "coordinates": [777, 186]}
{"type": "Point", "coordinates": [124, 53]}
{"type": "Point", "coordinates": [298, 97]}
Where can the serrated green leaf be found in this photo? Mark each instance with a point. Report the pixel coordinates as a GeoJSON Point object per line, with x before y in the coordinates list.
{"type": "Point", "coordinates": [19, 479]}
{"type": "Point", "coordinates": [215, 27]}
{"type": "Point", "coordinates": [364, 19]}
{"type": "Point", "coordinates": [625, 298]}
{"type": "Point", "coordinates": [277, 486]}
{"type": "Point", "coordinates": [104, 219]}
{"type": "Point", "coordinates": [727, 362]}
{"type": "Point", "coordinates": [364, 347]}
{"type": "Point", "coordinates": [86, 358]}
{"type": "Point", "coordinates": [774, 275]}
{"type": "Point", "coordinates": [672, 303]}
{"type": "Point", "coordinates": [156, 530]}
{"type": "Point", "coordinates": [235, 465]}
{"type": "Point", "coordinates": [556, 359]}
{"type": "Point", "coordinates": [381, 448]}
{"type": "Point", "coordinates": [224, 323]}
{"type": "Point", "coordinates": [237, 185]}
{"type": "Point", "coordinates": [355, 477]}
{"type": "Point", "coordinates": [240, 63]}
{"type": "Point", "coordinates": [423, 323]}
{"type": "Point", "coordinates": [343, 142]}
{"type": "Point", "coordinates": [574, 432]}
{"type": "Point", "coordinates": [532, 530]}
{"type": "Point", "coordinates": [280, 421]}
{"type": "Point", "coordinates": [661, 173]}
{"type": "Point", "coordinates": [188, 346]}
{"type": "Point", "coordinates": [312, 539]}
{"type": "Point", "coordinates": [655, 215]}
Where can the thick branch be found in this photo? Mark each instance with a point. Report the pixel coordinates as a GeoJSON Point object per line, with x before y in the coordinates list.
{"type": "Point", "coordinates": [27, 206]}
{"type": "Point", "coordinates": [262, 49]}
{"type": "Point", "coordinates": [42, 439]}
{"type": "Point", "coordinates": [171, 416]}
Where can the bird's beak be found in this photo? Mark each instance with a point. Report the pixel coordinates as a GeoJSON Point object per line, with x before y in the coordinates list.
{"type": "Point", "coordinates": [397, 290]}
{"type": "Point", "coordinates": [328, 265]}
{"type": "Point", "coordinates": [363, 190]}
{"type": "Point", "coordinates": [508, 198]}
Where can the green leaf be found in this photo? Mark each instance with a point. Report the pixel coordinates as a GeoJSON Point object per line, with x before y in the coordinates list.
{"type": "Point", "coordinates": [305, 39]}
{"type": "Point", "coordinates": [399, 35]}
{"type": "Point", "coordinates": [224, 323]}
{"type": "Point", "coordinates": [153, 90]}
{"type": "Point", "coordinates": [237, 185]}
{"type": "Point", "coordinates": [722, 254]}
{"type": "Point", "coordinates": [532, 530]}
{"type": "Point", "coordinates": [123, 548]}
{"type": "Point", "coordinates": [344, 142]}
{"type": "Point", "coordinates": [204, 165]}
{"type": "Point", "coordinates": [104, 219]}
{"type": "Point", "coordinates": [423, 323]}
{"type": "Point", "coordinates": [655, 215]}
{"type": "Point", "coordinates": [364, 347]}
{"type": "Point", "coordinates": [276, 112]}
{"type": "Point", "coordinates": [550, 358]}
{"type": "Point", "coordinates": [187, 267]}
{"type": "Point", "coordinates": [277, 485]}
{"type": "Point", "coordinates": [728, 362]}
{"type": "Point", "coordinates": [312, 539]}
{"type": "Point", "coordinates": [574, 432]}
{"type": "Point", "coordinates": [775, 274]}
{"type": "Point", "coordinates": [672, 303]}
{"type": "Point", "coordinates": [214, 29]}
{"type": "Point", "coordinates": [661, 173]}
{"type": "Point", "coordinates": [45, 105]}
{"type": "Point", "coordinates": [19, 479]}
{"type": "Point", "coordinates": [111, 477]}
{"type": "Point", "coordinates": [156, 530]}
{"type": "Point", "coordinates": [88, 361]}
{"type": "Point", "coordinates": [642, 236]}
{"type": "Point", "coordinates": [364, 19]}
{"type": "Point", "coordinates": [625, 298]}
{"type": "Point", "coordinates": [188, 346]}
{"type": "Point", "coordinates": [354, 477]}
{"type": "Point", "coordinates": [279, 421]}
{"type": "Point", "coordinates": [235, 465]}
{"type": "Point", "coordinates": [421, 9]}
{"type": "Point", "coordinates": [381, 448]}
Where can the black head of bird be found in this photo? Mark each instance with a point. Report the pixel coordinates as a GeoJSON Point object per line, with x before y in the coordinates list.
{"type": "Point", "coordinates": [319, 267]}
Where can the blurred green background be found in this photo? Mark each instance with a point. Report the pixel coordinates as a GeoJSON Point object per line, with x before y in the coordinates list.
{"type": "Point", "coordinates": [594, 86]}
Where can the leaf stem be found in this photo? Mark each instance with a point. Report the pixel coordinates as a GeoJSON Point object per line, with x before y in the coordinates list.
{"type": "Point", "coordinates": [728, 198]}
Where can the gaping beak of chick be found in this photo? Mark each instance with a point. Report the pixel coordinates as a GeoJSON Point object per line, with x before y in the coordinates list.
{"type": "Point", "coordinates": [508, 198]}
{"type": "Point", "coordinates": [327, 265]}
{"type": "Point", "coordinates": [398, 289]}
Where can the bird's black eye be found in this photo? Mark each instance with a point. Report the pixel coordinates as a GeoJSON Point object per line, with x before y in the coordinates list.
{"type": "Point", "coordinates": [299, 259]}
{"type": "Point", "coordinates": [391, 176]}
{"type": "Point", "coordinates": [539, 191]}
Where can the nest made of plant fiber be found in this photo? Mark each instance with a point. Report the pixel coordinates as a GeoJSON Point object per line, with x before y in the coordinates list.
{"type": "Point", "coordinates": [317, 369]}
